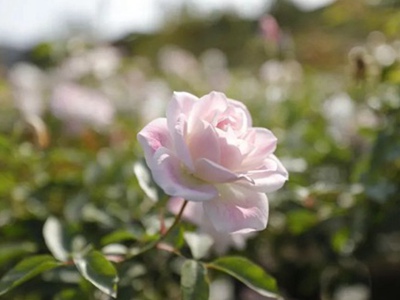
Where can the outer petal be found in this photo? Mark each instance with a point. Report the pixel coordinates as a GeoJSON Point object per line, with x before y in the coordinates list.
{"type": "Point", "coordinates": [268, 179]}
{"type": "Point", "coordinates": [263, 143]}
{"type": "Point", "coordinates": [153, 136]}
{"type": "Point", "coordinates": [181, 103]}
{"type": "Point", "coordinates": [193, 211]}
{"type": "Point", "coordinates": [209, 107]}
{"type": "Point", "coordinates": [237, 210]}
{"type": "Point", "coordinates": [168, 174]}
{"type": "Point", "coordinates": [212, 172]}
{"type": "Point", "coordinates": [246, 113]}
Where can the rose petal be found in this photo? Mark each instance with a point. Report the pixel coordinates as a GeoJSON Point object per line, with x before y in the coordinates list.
{"type": "Point", "coordinates": [204, 143]}
{"type": "Point", "coordinates": [209, 107]}
{"type": "Point", "coordinates": [263, 143]}
{"type": "Point", "coordinates": [168, 174]}
{"type": "Point", "coordinates": [193, 211]}
{"type": "Point", "coordinates": [181, 103]}
{"type": "Point", "coordinates": [153, 136]}
{"type": "Point", "coordinates": [179, 135]}
{"type": "Point", "coordinates": [243, 110]}
{"type": "Point", "coordinates": [271, 178]}
{"type": "Point", "coordinates": [231, 156]}
{"type": "Point", "coordinates": [212, 172]}
{"type": "Point", "coordinates": [237, 210]}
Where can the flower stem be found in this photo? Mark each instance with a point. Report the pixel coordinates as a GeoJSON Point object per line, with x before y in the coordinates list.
{"type": "Point", "coordinates": [176, 221]}
{"type": "Point", "coordinates": [161, 238]}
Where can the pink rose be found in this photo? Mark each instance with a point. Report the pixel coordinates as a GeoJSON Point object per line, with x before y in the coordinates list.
{"type": "Point", "coordinates": [206, 150]}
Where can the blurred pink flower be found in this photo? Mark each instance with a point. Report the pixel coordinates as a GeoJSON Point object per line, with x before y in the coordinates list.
{"type": "Point", "coordinates": [281, 78]}
{"type": "Point", "coordinates": [194, 214]}
{"type": "Point", "coordinates": [270, 29]}
{"type": "Point", "coordinates": [215, 67]}
{"type": "Point", "coordinates": [28, 84]}
{"type": "Point", "coordinates": [79, 106]}
{"type": "Point", "coordinates": [207, 151]}
{"type": "Point", "coordinates": [102, 62]}
{"type": "Point", "coordinates": [177, 61]}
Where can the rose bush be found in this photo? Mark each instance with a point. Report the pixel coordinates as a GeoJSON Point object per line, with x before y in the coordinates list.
{"type": "Point", "coordinates": [207, 151]}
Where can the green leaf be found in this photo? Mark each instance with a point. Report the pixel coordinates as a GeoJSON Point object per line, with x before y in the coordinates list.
{"type": "Point", "coordinates": [11, 251]}
{"type": "Point", "coordinates": [247, 272]}
{"type": "Point", "coordinates": [176, 237]}
{"type": "Point", "coordinates": [299, 221]}
{"type": "Point", "coordinates": [118, 236]}
{"type": "Point", "coordinates": [56, 239]}
{"type": "Point", "coordinates": [25, 270]}
{"type": "Point", "coordinates": [199, 243]}
{"type": "Point", "coordinates": [90, 213]}
{"type": "Point", "coordinates": [145, 181]}
{"type": "Point", "coordinates": [99, 271]}
{"type": "Point", "coordinates": [340, 241]}
{"type": "Point", "coordinates": [194, 282]}
{"type": "Point", "coordinates": [70, 294]}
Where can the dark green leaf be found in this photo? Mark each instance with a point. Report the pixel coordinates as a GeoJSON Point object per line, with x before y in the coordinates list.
{"type": "Point", "coordinates": [25, 270]}
{"type": "Point", "coordinates": [194, 282]}
{"type": "Point", "coordinates": [99, 271]}
{"type": "Point", "coordinates": [175, 237]}
{"type": "Point", "coordinates": [247, 272]}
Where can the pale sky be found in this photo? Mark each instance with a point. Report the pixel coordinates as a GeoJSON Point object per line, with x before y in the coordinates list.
{"type": "Point", "coordinates": [24, 23]}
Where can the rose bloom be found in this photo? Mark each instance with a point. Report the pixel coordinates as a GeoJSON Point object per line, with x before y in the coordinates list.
{"type": "Point", "coordinates": [207, 151]}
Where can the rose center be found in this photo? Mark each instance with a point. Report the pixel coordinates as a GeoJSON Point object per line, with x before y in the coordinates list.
{"type": "Point", "coordinates": [224, 123]}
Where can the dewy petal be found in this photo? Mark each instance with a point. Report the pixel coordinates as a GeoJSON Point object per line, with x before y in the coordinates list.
{"type": "Point", "coordinates": [209, 171]}
{"type": "Point", "coordinates": [168, 174]}
{"type": "Point", "coordinates": [268, 179]}
{"type": "Point", "coordinates": [237, 210]}
{"type": "Point", "coordinates": [153, 136]}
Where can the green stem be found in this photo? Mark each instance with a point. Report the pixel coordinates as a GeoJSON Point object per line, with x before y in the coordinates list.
{"type": "Point", "coordinates": [176, 221]}
{"type": "Point", "coordinates": [162, 237]}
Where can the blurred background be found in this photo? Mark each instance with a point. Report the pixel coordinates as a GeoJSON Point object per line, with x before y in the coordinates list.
{"type": "Point", "coordinates": [78, 80]}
